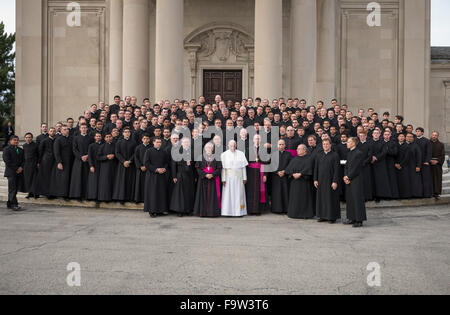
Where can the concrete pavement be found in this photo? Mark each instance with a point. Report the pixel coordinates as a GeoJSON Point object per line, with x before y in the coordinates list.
{"type": "Point", "coordinates": [126, 252]}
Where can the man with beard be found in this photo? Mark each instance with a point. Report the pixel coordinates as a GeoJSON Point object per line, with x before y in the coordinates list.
{"type": "Point", "coordinates": [62, 150]}
{"type": "Point", "coordinates": [208, 197]}
{"type": "Point", "coordinates": [414, 165]}
{"type": "Point", "coordinates": [80, 170]}
{"type": "Point", "coordinates": [426, 150]}
{"type": "Point", "coordinates": [353, 178]}
{"type": "Point", "coordinates": [156, 161]}
{"type": "Point", "coordinates": [30, 168]}
{"type": "Point", "coordinates": [280, 181]}
{"type": "Point", "coordinates": [126, 173]}
{"type": "Point", "coordinates": [437, 161]}
{"type": "Point", "coordinates": [141, 171]}
{"type": "Point", "coordinates": [46, 162]}
{"type": "Point", "coordinates": [326, 179]}
{"type": "Point", "coordinates": [14, 162]}
{"type": "Point", "coordinates": [301, 195]}
{"type": "Point", "coordinates": [94, 167]}
{"type": "Point", "coordinates": [107, 166]}
{"type": "Point", "coordinates": [183, 177]}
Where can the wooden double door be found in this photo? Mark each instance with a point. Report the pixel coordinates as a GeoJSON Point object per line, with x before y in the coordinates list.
{"type": "Point", "coordinates": [227, 83]}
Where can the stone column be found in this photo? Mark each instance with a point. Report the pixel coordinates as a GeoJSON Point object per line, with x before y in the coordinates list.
{"type": "Point", "coordinates": [303, 49]}
{"type": "Point", "coordinates": [136, 48]}
{"type": "Point", "coordinates": [30, 109]}
{"type": "Point", "coordinates": [268, 48]}
{"type": "Point", "coordinates": [417, 63]}
{"type": "Point", "coordinates": [169, 55]}
{"type": "Point", "coordinates": [326, 50]}
{"type": "Point", "coordinates": [115, 48]}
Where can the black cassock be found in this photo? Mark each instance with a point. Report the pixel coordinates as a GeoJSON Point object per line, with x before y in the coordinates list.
{"type": "Point", "coordinates": [342, 150]}
{"type": "Point", "coordinates": [280, 185]}
{"type": "Point", "coordinates": [404, 184]}
{"type": "Point", "coordinates": [208, 196]}
{"type": "Point", "coordinates": [107, 174]}
{"type": "Point", "coordinates": [354, 192]}
{"type": "Point", "coordinates": [62, 149]}
{"type": "Point", "coordinates": [139, 189]}
{"type": "Point", "coordinates": [183, 194]}
{"type": "Point", "coordinates": [255, 189]}
{"type": "Point", "coordinates": [326, 172]}
{"type": "Point", "coordinates": [156, 185]}
{"type": "Point", "coordinates": [391, 157]}
{"type": "Point", "coordinates": [80, 170]}
{"type": "Point", "coordinates": [380, 176]}
{"type": "Point", "coordinates": [46, 162]}
{"type": "Point", "coordinates": [301, 195]}
{"type": "Point", "coordinates": [366, 150]}
{"type": "Point", "coordinates": [427, 179]}
{"type": "Point", "coordinates": [415, 161]}
{"type": "Point", "coordinates": [92, 193]}
{"type": "Point", "coordinates": [126, 176]}
{"type": "Point", "coordinates": [438, 154]}
{"type": "Point", "coordinates": [30, 170]}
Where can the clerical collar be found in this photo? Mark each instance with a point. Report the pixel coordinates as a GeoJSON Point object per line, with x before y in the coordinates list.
{"type": "Point", "coordinates": [420, 137]}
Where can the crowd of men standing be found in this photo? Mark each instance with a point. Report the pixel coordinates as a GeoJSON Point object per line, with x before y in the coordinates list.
{"type": "Point", "coordinates": [122, 152]}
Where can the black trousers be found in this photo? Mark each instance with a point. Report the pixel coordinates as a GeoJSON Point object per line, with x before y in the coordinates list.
{"type": "Point", "coordinates": [13, 187]}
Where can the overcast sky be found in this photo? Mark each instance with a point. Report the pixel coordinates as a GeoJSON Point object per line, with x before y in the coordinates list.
{"type": "Point", "coordinates": [440, 20]}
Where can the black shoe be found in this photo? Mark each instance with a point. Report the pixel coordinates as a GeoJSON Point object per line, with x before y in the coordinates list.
{"type": "Point", "coordinates": [332, 222]}
{"type": "Point", "coordinates": [29, 196]}
{"type": "Point", "coordinates": [321, 220]}
{"type": "Point", "coordinates": [348, 222]}
{"type": "Point", "coordinates": [377, 200]}
{"type": "Point", "coordinates": [153, 215]}
{"type": "Point", "coordinates": [16, 208]}
{"type": "Point", "coordinates": [180, 215]}
{"type": "Point", "coordinates": [358, 225]}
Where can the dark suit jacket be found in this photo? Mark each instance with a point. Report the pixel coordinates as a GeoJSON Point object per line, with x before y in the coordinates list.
{"type": "Point", "coordinates": [13, 160]}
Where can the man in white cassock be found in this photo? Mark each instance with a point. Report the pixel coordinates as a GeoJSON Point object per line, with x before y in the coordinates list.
{"type": "Point", "coordinates": [234, 177]}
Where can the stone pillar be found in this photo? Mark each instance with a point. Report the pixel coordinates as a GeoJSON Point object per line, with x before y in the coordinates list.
{"type": "Point", "coordinates": [115, 49]}
{"type": "Point", "coordinates": [268, 48]}
{"type": "Point", "coordinates": [303, 49]}
{"type": "Point", "coordinates": [326, 88]}
{"type": "Point", "coordinates": [169, 55]}
{"type": "Point", "coordinates": [417, 62]}
{"type": "Point", "coordinates": [29, 109]}
{"type": "Point", "coordinates": [136, 48]}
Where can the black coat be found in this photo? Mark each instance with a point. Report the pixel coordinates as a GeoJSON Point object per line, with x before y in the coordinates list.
{"type": "Point", "coordinates": [354, 192]}
{"type": "Point", "coordinates": [30, 170]}
{"type": "Point", "coordinates": [301, 196]}
{"type": "Point", "coordinates": [207, 200]}
{"type": "Point", "coordinates": [156, 185]}
{"type": "Point", "coordinates": [126, 176]}
{"type": "Point", "coordinates": [380, 176]}
{"type": "Point", "coordinates": [403, 180]}
{"type": "Point", "coordinates": [62, 150]}
{"type": "Point", "coordinates": [427, 179]}
{"type": "Point", "coordinates": [80, 170]}
{"type": "Point", "coordinates": [326, 172]}
{"type": "Point", "coordinates": [92, 193]}
{"type": "Point", "coordinates": [139, 189]}
{"type": "Point", "coordinates": [280, 185]}
{"type": "Point", "coordinates": [46, 164]}
{"type": "Point", "coordinates": [14, 159]}
{"type": "Point", "coordinates": [107, 173]}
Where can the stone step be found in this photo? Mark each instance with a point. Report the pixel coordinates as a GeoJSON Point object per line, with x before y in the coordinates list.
{"type": "Point", "coordinates": [446, 190]}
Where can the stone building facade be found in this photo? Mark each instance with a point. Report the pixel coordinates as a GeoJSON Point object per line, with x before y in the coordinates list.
{"type": "Point", "coordinates": [167, 49]}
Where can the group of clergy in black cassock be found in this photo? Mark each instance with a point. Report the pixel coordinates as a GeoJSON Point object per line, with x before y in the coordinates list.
{"type": "Point", "coordinates": [122, 153]}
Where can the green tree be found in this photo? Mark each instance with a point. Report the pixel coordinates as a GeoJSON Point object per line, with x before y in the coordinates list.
{"type": "Point", "coordinates": [7, 76]}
